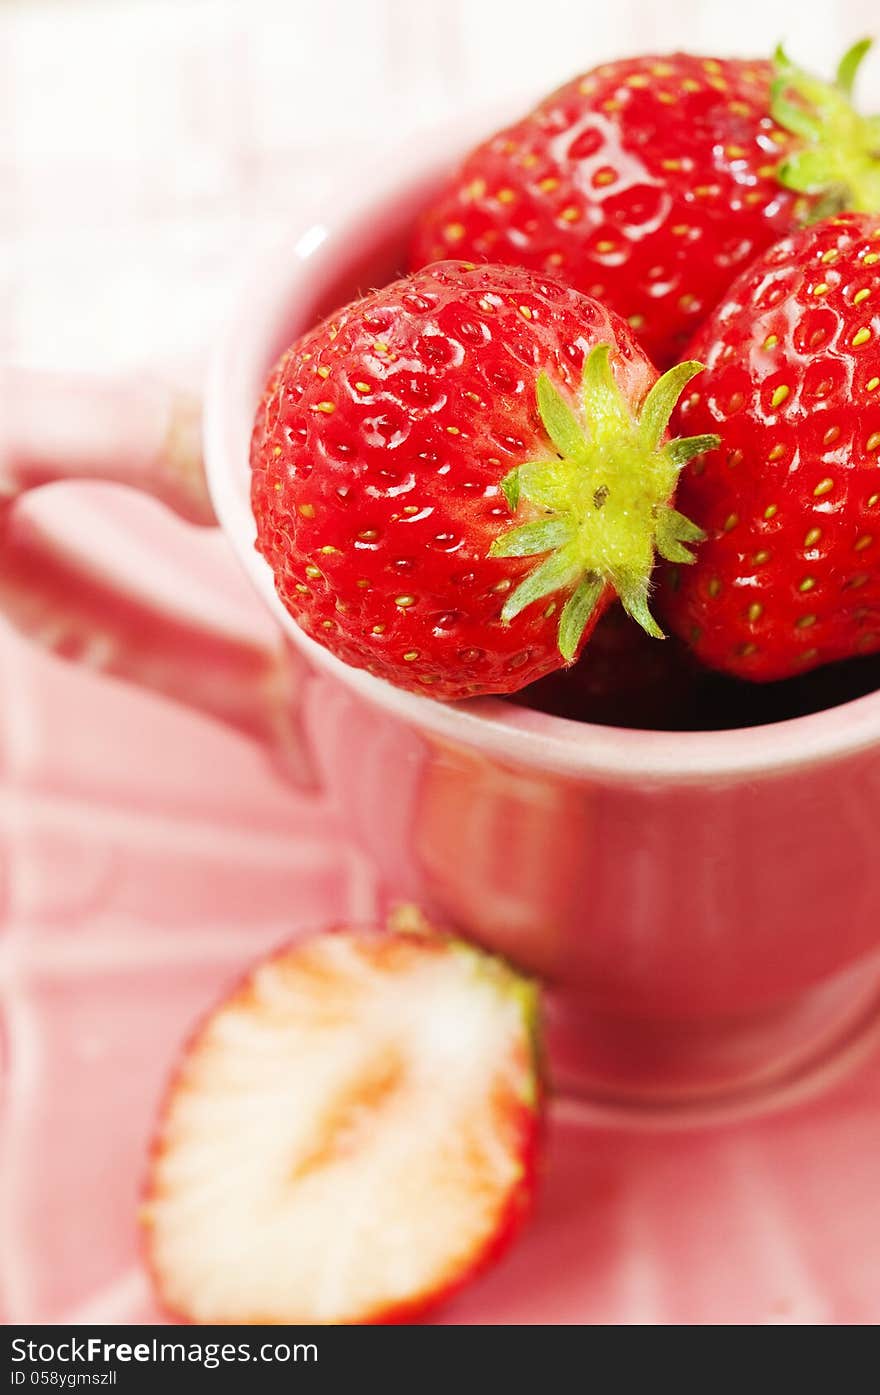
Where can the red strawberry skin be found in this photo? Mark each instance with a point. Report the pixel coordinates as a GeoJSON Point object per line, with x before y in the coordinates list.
{"type": "Point", "coordinates": [789, 576]}
{"type": "Point", "coordinates": [377, 459]}
{"type": "Point", "coordinates": [648, 183]}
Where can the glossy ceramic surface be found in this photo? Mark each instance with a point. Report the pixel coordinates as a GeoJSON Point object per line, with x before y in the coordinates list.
{"type": "Point", "coordinates": [706, 906]}
{"type": "Point", "coordinates": [150, 854]}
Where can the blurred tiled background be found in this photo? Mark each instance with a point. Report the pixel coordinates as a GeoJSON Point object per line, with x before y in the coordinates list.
{"type": "Point", "coordinates": [149, 148]}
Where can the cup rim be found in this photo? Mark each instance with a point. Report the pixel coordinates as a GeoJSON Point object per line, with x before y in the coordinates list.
{"type": "Point", "coordinates": [302, 264]}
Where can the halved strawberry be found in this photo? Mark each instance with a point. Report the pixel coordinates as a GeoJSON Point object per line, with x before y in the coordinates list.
{"type": "Point", "coordinates": [350, 1136]}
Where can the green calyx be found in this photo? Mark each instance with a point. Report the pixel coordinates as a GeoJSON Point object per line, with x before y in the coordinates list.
{"type": "Point", "coordinates": [599, 507]}
{"type": "Point", "coordinates": [838, 159]}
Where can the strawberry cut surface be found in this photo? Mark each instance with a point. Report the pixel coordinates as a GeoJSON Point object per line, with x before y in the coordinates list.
{"type": "Point", "coordinates": [789, 576]}
{"type": "Point", "coordinates": [349, 1137]}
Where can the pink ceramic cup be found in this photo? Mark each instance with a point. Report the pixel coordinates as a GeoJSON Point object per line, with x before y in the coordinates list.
{"type": "Point", "coordinates": [705, 907]}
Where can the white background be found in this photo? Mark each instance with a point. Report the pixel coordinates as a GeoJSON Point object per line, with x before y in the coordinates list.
{"type": "Point", "coordinates": [149, 149]}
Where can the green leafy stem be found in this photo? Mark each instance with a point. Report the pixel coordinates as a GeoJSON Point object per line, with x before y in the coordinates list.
{"type": "Point", "coordinates": [599, 508]}
{"type": "Point", "coordinates": [837, 158]}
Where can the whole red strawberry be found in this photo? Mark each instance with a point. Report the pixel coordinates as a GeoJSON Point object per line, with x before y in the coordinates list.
{"type": "Point", "coordinates": [454, 476]}
{"type": "Point", "coordinates": [789, 577]}
{"type": "Point", "coordinates": [652, 182]}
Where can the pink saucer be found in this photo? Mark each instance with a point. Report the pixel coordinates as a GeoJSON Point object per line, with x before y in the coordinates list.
{"type": "Point", "coordinates": [150, 854]}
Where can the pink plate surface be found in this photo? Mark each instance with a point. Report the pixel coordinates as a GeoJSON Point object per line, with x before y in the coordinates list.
{"type": "Point", "coordinates": [148, 855]}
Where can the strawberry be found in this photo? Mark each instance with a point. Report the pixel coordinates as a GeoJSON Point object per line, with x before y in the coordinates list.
{"type": "Point", "coordinates": [650, 183]}
{"type": "Point", "coordinates": [350, 1136]}
{"type": "Point", "coordinates": [789, 577]}
{"type": "Point", "coordinates": [454, 476]}
{"type": "Point", "coordinates": [624, 679]}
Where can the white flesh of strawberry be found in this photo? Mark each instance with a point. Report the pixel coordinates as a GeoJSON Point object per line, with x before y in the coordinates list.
{"type": "Point", "coordinates": [345, 1134]}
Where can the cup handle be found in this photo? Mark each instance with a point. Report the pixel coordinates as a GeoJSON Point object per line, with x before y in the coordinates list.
{"type": "Point", "coordinates": [133, 431]}
{"type": "Point", "coordinates": [145, 435]}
